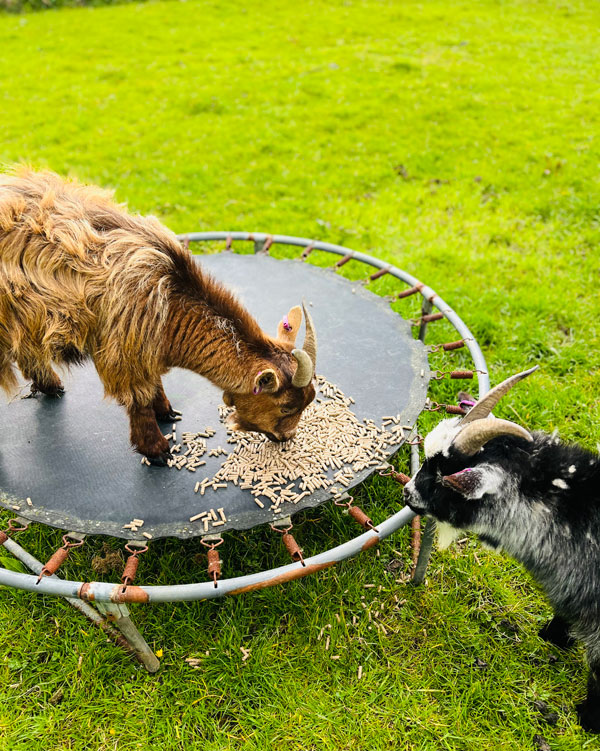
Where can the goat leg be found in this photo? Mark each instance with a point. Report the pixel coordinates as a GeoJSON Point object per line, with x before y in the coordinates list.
{"type": "Point", "coordinates": [162, 406]}
{"type": "Point", "coordinates": [589, 710]}
{"type": "Point", "coordinates": [145, 435]}
{"type": "Point", "coordinates": [557, 632]}
{"type": "Point", "coordinates": [44, 381]}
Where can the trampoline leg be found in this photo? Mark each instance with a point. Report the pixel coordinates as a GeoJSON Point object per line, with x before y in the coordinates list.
{"type": "Point", "coordinates": [123, 641]}
{"type": "Point", "coordinates": [86, 609]}
{"type": "Point", "coordinates": [425, 552]}
{"type": "Point", "coordinates": [426, 539]}
{"type": "Point", "coordinates": [425, 310]}
{"type": "Point", "coordinates": [118, 615]}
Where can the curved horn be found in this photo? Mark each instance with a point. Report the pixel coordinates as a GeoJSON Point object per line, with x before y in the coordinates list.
{"type": "Point", "coordinates": [472, 437]}
{"type": "Point", "coordinates": [310, 340]}
{"type": "Point", "coordinates": [304, 373]}
{"type": "Point", "coordinates": [487, 403]}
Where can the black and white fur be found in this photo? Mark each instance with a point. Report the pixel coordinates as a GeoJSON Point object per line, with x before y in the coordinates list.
{"type": "Point", "coordinates": [539, 500]}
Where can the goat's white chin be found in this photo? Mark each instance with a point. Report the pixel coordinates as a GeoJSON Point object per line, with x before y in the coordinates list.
{"type": "Point", "coordinates": [446, 534]}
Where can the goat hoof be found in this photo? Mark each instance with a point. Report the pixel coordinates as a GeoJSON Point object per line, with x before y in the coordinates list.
{"type": "Point", "coordinates": [557, 634]}
{"type": "Point", "coordinates": [54, 392]}
{"type": "Point", "coordinates": [160, 460]}
{"type": "Point", "coordinates": [170, 416]}
{"type": "Point", "coordinates": [589, 717]}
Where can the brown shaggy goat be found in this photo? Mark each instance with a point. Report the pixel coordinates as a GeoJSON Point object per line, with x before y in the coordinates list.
{"type": "Point", "coordinates": [81, 277]}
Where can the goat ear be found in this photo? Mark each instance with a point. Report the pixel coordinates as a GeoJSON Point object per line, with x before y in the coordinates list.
{"type": "Point", "coordinates": [471, 483]}
{"type": "Point", "coordinates": [288, 328]}
{"type": "Point", "coordinates": [266, 381]}
{"type": "Point", "coordinates": [227, 399]}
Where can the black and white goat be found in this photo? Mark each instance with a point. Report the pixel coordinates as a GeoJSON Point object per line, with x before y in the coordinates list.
{"type": "Point", "coordinates": [534, 497]}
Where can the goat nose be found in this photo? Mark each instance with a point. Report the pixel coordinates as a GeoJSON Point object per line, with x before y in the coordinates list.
{"type": "Point", "coordinates": [274, 438]}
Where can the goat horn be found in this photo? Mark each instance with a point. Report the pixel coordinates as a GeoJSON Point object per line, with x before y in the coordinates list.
{"type": "Point", "coordinates": [486, 404]}
{"type": "Point", "coordinates": [472, 437]}
{"type": "Point", "coordinates": [304, 372]}
{"type": "Point", "coordinates": [310, 340]}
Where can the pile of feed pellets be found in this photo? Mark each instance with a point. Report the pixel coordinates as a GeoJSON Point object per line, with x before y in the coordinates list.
{"type": "Point", "coordinates": [331, 445]}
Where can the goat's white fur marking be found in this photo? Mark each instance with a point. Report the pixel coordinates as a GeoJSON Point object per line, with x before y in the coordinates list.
{"type": "Point", "coordinates": [559, 483]}
{"type": "Point", "coordinates": [572, 469]}
{"type": "Point", "coordinates": [441, 437]}
{"type": "Point", "coordinates": [446, 534]}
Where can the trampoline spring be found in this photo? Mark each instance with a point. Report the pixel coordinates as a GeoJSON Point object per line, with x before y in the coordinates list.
{"type": "Point", "coordinates": [416, 539]}
{"type": "Point", "coordinates": [15, 525]}
{"type": "Point", "coordinates": [54, 563]}
{"type": "Point", "coordinates": [451, 409]}
{"type": "Point", "coordinates": [345, 259]}
{"type": "Point", "coordinates": [454, 409]}
{"type": "Point", "coordinates": [307, 251]}
{"type": "Point", "coordinates": [456, 374]}
{"type": "Point", "coordinates": [228, 242]}
{"type": "Point", "coordinates": [378, 274]}
{"type": "Point", "coordinates": [449, 346]}
{"type": "Point", "coordinates": [427, 318]}
{"type": "Point", "coordinates": [214, 565]}
{"type": "Point", "coordinates": [130, 570]}
{"type": "Point", "coordinates": [359, 516]}
{"type": "Point", "coordinates": [357, 513]}
{"type": "Point", "coordinates": [293, 548]}
{"type": "Point", "coordinates": [398, 476]}
{"type": "Point", "coordinates": [411, 291]}
{"type": "Point", "coordinates": [132, 563]}
{"type": "Point", "coordinates": [267, 244]}
{"type": "Point", "coordinates": [57, 559]}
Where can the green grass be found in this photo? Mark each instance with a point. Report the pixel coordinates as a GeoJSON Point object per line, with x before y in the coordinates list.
{"type": "Point", "coordinates": [456, 140]}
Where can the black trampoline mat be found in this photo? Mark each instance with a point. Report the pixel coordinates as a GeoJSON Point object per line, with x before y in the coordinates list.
{"type": "Point", "coordinates": [72, 456]}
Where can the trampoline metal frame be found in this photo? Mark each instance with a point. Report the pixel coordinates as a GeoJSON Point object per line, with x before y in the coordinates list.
{"type": "Point", "coordinates": [111, 598]}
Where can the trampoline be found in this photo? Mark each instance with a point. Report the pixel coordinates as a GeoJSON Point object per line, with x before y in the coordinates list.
{"type": "Point", "coordinates": [81, 475]}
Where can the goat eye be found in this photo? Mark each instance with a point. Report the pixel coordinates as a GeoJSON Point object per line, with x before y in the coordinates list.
{"type": "Point", "coordinates": [287, 410]}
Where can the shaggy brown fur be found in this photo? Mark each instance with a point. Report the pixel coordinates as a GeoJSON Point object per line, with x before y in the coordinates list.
{"type": "Point", "coordinates": [80, 277]}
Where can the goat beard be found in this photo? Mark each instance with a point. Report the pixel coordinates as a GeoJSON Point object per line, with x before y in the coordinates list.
{"type": "Point", "coordinates": [446, 535]}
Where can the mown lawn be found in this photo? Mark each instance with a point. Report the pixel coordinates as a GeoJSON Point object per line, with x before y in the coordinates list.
{"type": "Point", "coordinates": [457, 140]}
